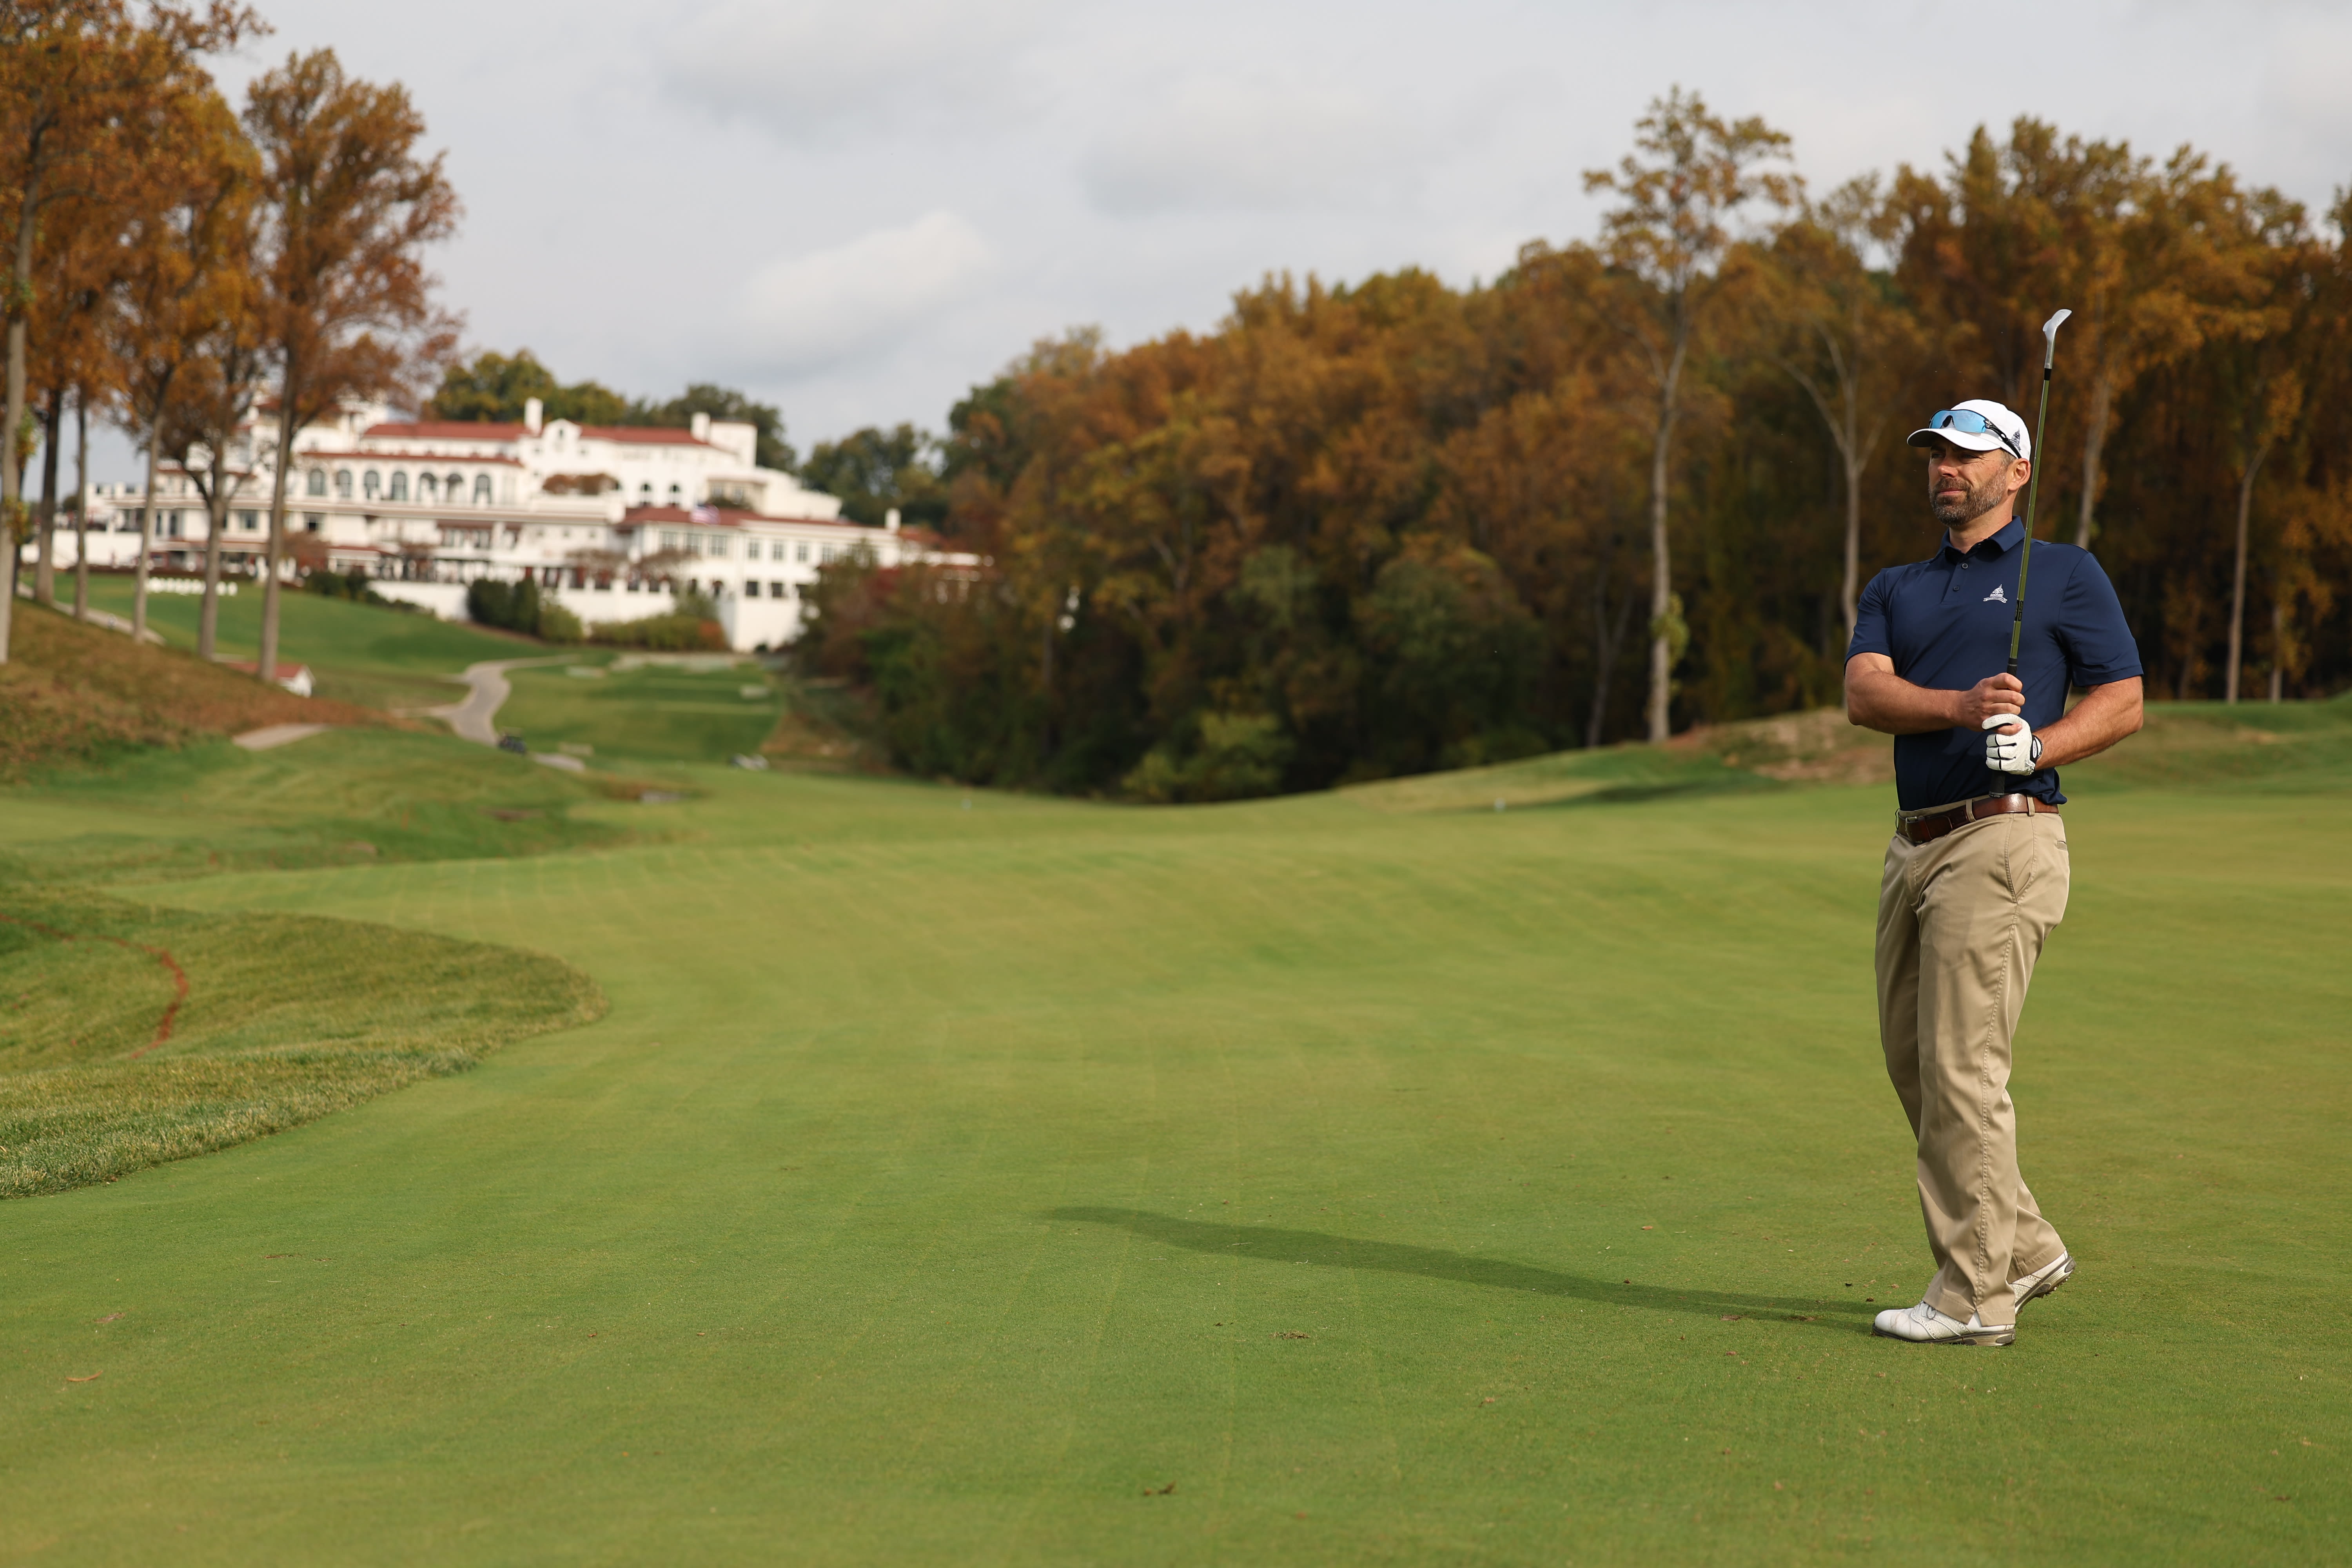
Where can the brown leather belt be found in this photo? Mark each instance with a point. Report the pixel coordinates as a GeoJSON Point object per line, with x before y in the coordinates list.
{"type": "Point", "coordinates": [1927, 829]}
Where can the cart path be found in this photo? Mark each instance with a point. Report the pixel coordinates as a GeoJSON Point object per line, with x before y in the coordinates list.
{"type": "Point", "coordinates": [474, 718]}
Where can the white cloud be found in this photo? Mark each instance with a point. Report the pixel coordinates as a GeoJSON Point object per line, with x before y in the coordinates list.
{"type": "Point", "coordinates": [1254, 143]}
{"type": "Point", "coordinates": [813, 310]}
{"type": "Point", "coordinates": [812, 72]}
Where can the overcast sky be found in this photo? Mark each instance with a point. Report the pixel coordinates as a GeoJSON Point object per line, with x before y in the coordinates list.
{"type": "Point", "coordinates": [858, 210]}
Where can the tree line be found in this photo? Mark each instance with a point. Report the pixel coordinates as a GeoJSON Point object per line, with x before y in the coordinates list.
{"type": "Point", "coordinates": [1630, 485]}
{"type": "Point", "coordinates": [496, 387]}
{"type": "Point", "coordinates": [174, 262]}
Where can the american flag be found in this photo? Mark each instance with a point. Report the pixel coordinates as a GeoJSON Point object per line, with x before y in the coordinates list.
{"type": "Point", "coordinates": [704, 513]}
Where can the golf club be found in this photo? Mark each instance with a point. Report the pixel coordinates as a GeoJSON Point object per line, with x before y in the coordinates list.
{"type": "Point", "coordinates": [2033, 486]}
{"type": "Point", "coordinates": [2032, 493]}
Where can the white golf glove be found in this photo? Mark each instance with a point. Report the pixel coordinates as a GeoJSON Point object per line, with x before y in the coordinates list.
{"type": "Point", "coordinates": [2013, 751]}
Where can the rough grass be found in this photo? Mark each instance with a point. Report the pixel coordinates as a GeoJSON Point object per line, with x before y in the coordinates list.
{"type": "Point", "coordinates": [105, 1068]}
{"type": "Point", "coordinates": [74, 695]}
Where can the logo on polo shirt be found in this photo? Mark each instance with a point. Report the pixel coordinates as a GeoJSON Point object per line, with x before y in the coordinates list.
{"type": "Point", "coordinates": [1996, 597]}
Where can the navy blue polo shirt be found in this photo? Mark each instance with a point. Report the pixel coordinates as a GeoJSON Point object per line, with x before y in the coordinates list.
{"type": "Point", "coordinates": [1945, 623]}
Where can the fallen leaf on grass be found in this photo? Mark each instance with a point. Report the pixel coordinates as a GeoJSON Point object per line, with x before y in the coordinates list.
{"type": "Point", "coordinates": [93, 1377]}
{"type": "Point", "coordinates": [1159, 1491]}
{"type": "Point", "coordinates": [1488, 1400]}
{"type": "Point", "coordinates": [1292, 1335]}
{"type": "Point", "coordinates": [109, 1316]}
{"type": "Point", "coordinates": [1649, 1227]}
{"type": "Point", "coordinates": [1733, 1317]}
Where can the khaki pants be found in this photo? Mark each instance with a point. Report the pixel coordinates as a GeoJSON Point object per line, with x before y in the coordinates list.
{"type": "Point", "coordinates": [1961, 921]}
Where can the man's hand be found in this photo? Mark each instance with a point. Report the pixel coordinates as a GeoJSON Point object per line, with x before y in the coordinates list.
{"type": "Point", "coordinates": [2011, 747]}
{"type": "Point", "coordinates": [1994, 696]}
{"type": "Point", "coordinates": [1878, 699]}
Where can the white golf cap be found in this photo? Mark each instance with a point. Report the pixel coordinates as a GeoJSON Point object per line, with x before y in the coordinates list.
{"type": "Point", "coordinates": [1996, 418]}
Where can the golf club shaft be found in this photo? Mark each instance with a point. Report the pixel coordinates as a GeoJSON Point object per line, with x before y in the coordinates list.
{"type": "Point", "coordinates": [2032, 493]}
{"type": "Point", "coordinates": [2033, 484]}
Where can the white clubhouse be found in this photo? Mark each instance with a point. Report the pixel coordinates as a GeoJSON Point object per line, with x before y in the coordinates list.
{"type": "Point", "coordinates": [609, 520]}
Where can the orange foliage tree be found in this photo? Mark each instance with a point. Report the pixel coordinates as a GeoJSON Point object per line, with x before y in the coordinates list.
{"type": "Point", "coordinates": [349, 204]}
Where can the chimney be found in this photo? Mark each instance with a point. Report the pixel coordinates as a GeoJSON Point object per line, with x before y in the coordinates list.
{"type": "Point", "coordinates": [533, 410]}
{"type": "Point", "coordinates": [890, 520]}
{"type": "Point", "coordinates": [702, 427]}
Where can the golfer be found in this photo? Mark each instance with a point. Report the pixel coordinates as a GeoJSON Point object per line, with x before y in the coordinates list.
{"type": "Point", "coordinates": [1977, 872]}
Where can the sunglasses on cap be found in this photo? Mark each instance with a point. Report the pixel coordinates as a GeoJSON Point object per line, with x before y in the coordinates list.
{"type": "Point", "coordinates": [1968, 422]}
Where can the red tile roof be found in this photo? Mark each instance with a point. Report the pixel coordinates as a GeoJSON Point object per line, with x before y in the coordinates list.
{"type": "Point", "coordinates": [405, 457]}
{"type": "Point", "coordinates": [445, 430]}
{"type": "Point", "coordinates": [729, 518]}
{"type": "Point", "coordinates": [643, 434]}
{"type": "Point", "coordinates": [466, 430]}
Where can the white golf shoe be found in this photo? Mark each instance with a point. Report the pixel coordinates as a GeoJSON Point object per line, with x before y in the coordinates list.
{"type": "Point", "coordinates": [1923, 1325]}
{"type": "Point", "coordinates": [2044, 1280]}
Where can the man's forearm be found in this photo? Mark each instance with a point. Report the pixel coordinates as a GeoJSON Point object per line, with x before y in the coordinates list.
{"type": "Point", "coordinates": [1882, 701]}
{"type": "Point", "coordinates": [2105, 714]}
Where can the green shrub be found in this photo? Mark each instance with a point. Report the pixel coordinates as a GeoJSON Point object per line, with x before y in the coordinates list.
{"type": "Point", "coordinates": [521, 608]}
{"type": "Point", "coordinates": [663, 633]}
{"type": "Point", "coordinates": [353, 584]}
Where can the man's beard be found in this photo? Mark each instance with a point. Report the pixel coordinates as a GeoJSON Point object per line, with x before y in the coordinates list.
{"type": "Point", "coordinates": [1950, 509]}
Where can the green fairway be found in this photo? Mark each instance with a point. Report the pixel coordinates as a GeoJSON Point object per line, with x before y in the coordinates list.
{"type": "Point", "coordinates": [367, 654]}
{"type": "Point", "coordinates": [1369, 1177]}
{"type": "Point", "coordinates": [690, 708]}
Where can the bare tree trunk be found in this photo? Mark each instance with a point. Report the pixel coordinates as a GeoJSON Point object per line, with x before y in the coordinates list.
{"type": "Point", "coordinates": [12, 482]}
{"type": "Point", "coordinates": [2095, 445]}
{"type": "Point", "coordinates": [45, 564]}
{"type": "Point", "coordinates": [82, 504]}
{"type": "Point", "coordinates": [215, 519]}
{"type": "Point", "coordinates": [146, 531]}
{"type": "Point", "coordinates": [267, 667]}
{"type": "Point", "coordinates": [2238, 577]}
{"type": "Point", "coordinates": [12, 486]}
{"type": "Point", "coordinates": [1848, 597]}
{"type": "Point", "coordinates": [1662, 587]}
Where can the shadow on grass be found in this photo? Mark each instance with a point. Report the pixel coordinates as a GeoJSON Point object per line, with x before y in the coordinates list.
{"type": "Point", "coordinates": [1277, 1246]}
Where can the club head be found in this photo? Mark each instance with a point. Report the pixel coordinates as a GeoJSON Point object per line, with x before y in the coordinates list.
{"type": "Point", "coordinates": [2050, 337]}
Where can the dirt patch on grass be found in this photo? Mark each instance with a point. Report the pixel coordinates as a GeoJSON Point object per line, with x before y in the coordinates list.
{"type": "Point", "coordinates": [1818, 747]}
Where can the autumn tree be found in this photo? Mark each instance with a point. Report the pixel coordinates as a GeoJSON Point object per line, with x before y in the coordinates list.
{"type": "Point", "coordinates": [1680, 191]}
{"type": "Point", "coordinates": [225, 361]}
{"type": "Point", "coordinates": [1846, 336]}
{"type": "Point", "coordinates": [348, 204]}
{"type": "Point", "coordinates": [2259, 388]}
{"type": "Point", "coordinates": [76, 77]}
{"type": "Point", "coordinates": [186, 250]}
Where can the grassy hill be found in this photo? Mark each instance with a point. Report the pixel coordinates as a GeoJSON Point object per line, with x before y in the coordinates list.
{"type": "Point", "coordinates": [74, 694]}
{"type": "Point", "coordinates": [1362, 1177]}
{"type": "Point", "coordinates": [365, 654]}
